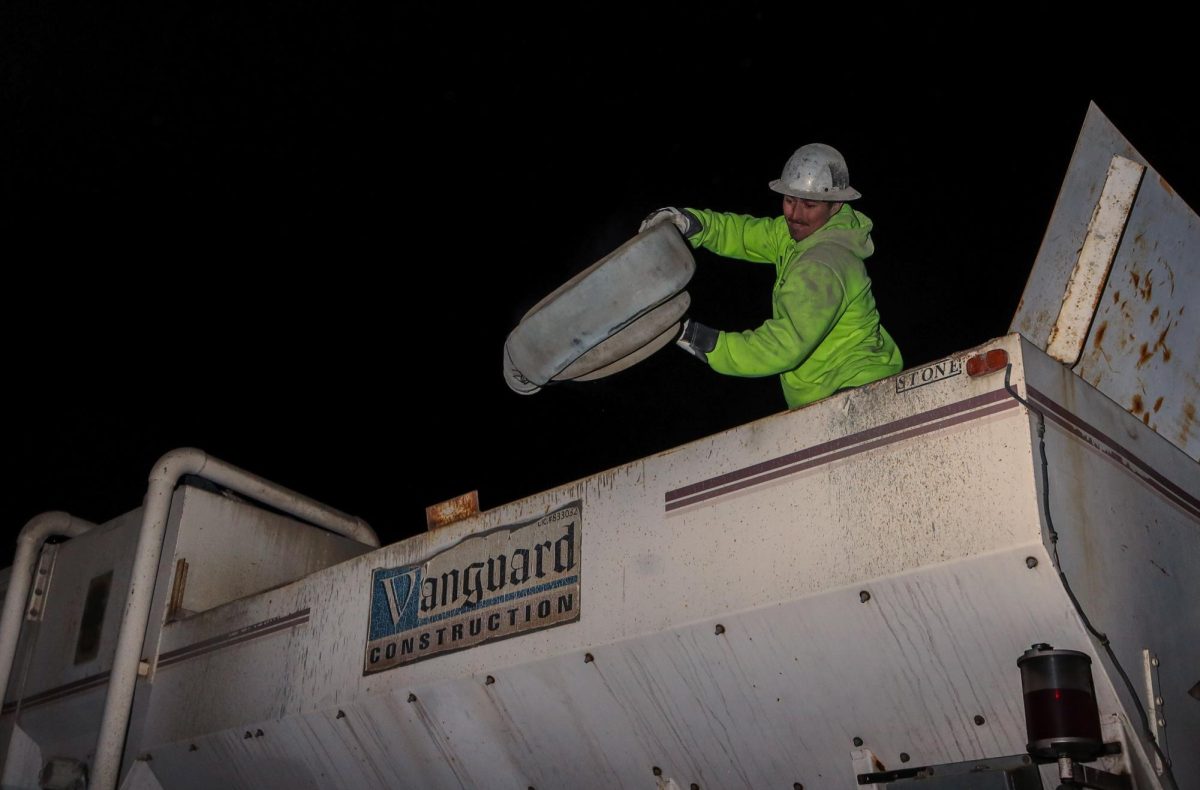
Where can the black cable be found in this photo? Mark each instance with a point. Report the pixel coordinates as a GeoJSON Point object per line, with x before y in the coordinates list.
{"type": "Point", "coordinates": [1100, 637]}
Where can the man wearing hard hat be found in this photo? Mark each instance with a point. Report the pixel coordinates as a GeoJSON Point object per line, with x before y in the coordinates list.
{"type": "Point", "coordinates": [824, 334]}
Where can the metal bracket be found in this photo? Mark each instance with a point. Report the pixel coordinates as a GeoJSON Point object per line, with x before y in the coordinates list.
{"type": "Point", "coordinates": [1154, 705]}
{"type": "Point", "coordinates": [1073, 774]}
{"type": "Point", "coordinates": [41, 583]}
{"type": "Point", "coordinates": [865, 762]}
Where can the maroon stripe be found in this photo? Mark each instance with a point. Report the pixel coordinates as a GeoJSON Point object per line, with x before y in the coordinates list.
{"type": "Point", "coordinates": [840, 443]}
{"type": "Point", "coordinates": [774, 474]}
{"type": "Point", "coordinates": [91, 681]}
{"type": "Point", "coordinates": [234, 637]}
{"type": "Point", "coordinates": [246, 634]}
{"type": "Point", "coordinates": [1085, 431]}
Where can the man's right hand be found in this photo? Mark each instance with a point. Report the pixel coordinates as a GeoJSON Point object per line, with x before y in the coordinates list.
{"type": "Point", "coordinates": [697, 339]}
{"type": "Point", "coordinates": [685, 221]}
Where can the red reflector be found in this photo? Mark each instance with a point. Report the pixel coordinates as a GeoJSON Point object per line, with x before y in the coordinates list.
{"type": "Point", "coordinates": [987, 362]}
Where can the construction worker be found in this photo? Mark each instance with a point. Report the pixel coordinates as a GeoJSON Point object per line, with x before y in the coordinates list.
{"type": "Point", "coordinates": [824, 333]}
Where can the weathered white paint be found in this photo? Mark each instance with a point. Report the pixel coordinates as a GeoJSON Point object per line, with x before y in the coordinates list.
{"type": "Point", "coordinates": [1095, 259]}
{"type": "Point", "coordinates": [927, 498]}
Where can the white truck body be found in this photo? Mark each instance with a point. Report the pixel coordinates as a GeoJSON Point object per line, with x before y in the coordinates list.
{"type": "Point", "coordinates": [790, 603]}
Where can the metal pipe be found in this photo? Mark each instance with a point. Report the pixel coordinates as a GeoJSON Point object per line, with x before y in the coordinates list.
{"type": "Point", "coordinates": [157, 506]}
{"type": "Point", "coordinates": [29, 545]}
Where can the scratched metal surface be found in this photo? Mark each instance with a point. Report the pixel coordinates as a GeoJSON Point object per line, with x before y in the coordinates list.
{"type": "Point", "coordinates": [1141, 348]}
{"type": "Point", "coordinates": [777, 698]}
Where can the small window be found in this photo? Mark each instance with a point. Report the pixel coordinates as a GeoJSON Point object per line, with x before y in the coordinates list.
{"type": "Point", "coordinates": [92, 625]}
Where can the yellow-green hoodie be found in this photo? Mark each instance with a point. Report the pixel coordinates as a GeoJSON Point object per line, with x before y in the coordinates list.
{"type": "Point", "coordinates": [824, 333]}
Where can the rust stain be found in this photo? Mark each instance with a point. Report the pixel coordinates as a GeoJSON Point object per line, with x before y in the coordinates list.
{"type": "Point", "coordinates": [1162, 343]}
{"type": "Point", "coordinates": [452, 510]}
{"type": "Point", "coordinates": [1162, 182]}
{"type": "Point", "coordinates": [1148, 288]}
{"type": "Point", "coordinates": [1136, 407]}
{"type": "Point", "coordinates": [1154, 315]}
{"type": "Point", "coordinates": [1147, 355]}
{"type": "Point", "coordinates": [1135, 279]}
{"type": "Point", "coordinates": [1158, 403]}
{"type": "Point", "coordinates": [1146, 418]}
{"type": "Point", "coordinates": [1189, 419]}
{"type": "Point", "coordinates": [1100, 334]}
{"type": "Point", "coordinates": [1116, 296]}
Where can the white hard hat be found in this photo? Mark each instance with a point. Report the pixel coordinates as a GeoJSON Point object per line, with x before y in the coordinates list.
{"type": "Point", "coordinates": [816, 172]}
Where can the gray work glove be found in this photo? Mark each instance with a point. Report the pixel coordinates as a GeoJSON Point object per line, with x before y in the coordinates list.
{"type": "Point", "coordinates": [697, 339]}
{"type": "Point", "coordinates": [685, 221]}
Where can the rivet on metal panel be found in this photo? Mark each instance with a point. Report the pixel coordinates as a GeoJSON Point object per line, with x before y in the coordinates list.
{"type": "Point", "coordinates": [1031, 562]}
{"type": "Point", "coordinates": [247, 736]}
{"type": "Point", "coordinates": [147, 757]}
{"type": "Point", "coordinates": [694, 786]}
{"type": "Point", "coordinates": [341, 714]}
{"type": "Point", "coordinates": [1154, 661]}
{"type": "Point", "coordinates": [904, 757]}
{"type": "Point", "coordinates": [1162, 722]}
{"type": "Point", "coordinates": [720, 629]}
{"type": "Point", "coordinates": [412, 697]}
{"type": "Point", "coordinates": [858, 741]}
{"type": "Point", "coordinates": [37, 590]}
{"type": "Point", "coordinates": [588, 658]}
{"type": "Point", "coordinates": [979, 720]}
{"type": "Point", "coordinates": [193, 747]}
{"type": "Point", "coordinates": [258, 733]}
{"type": "Point", "coordinates": [797, 786]}
{"type": "Point", "coordinates": [864, 596]}
{"type": "Point", "coordinates": [489, 680]}
{"type": "Point", "coordinates": [656, 770]}
{"type": "Point", "coordinates": [1158, 701]}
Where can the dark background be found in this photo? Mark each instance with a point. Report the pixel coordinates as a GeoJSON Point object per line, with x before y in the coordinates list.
{"type": "Point", "coordinates": [296, 236]}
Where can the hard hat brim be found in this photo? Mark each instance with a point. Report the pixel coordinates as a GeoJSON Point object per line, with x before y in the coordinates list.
{"type": "Point", "coordinates": [832, 196]}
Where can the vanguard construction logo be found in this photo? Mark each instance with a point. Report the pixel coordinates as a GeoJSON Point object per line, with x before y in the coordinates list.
{"type": "Point", "coordinates": [498, 584]}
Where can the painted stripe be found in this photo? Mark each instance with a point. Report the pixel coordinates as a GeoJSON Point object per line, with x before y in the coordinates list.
{"type": "Point", "coordinates": [1089, 434]}
{"type": "Point", "coordinates": [241, 635]}
{"type": "Point", "coordinates": [75, 687]}
{"type": "Point", "coordinates": [237, 637]}
{"type": "Point", "coordinates": [843, 447]}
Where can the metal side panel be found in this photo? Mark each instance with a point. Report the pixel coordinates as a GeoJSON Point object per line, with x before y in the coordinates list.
{"type": "Point", "coordinates": [60, 674]}
{"type": "Point", "coordinates": [1140, 348]}
{"type": "Point", "coordinates": [1126, 505]}
{"type": "Point", "coordinates": [760, 698]}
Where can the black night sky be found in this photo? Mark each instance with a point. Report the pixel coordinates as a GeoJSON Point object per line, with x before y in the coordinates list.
{"type": "Point", "coordinates": [296, 235]}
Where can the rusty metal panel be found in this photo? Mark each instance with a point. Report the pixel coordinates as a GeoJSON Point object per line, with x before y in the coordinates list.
{"type": "Point", "coordinates": [1140, 349]}
{"type": "Point", "coordinates": [453, 509]}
